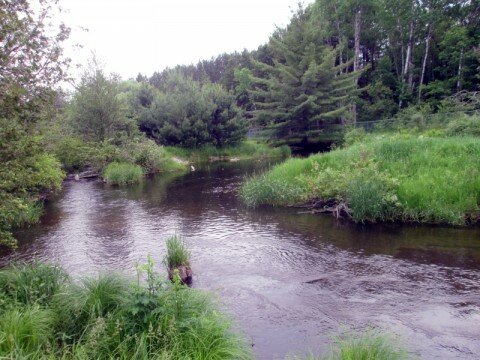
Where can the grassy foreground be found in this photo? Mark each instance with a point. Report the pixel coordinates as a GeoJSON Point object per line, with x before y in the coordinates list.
{"type": "Point", "coordinates": [248, 149]}
{"type": "Point", "coordinates": [45, 315]}
{"type": "Point", "coordinates": [384, 178]}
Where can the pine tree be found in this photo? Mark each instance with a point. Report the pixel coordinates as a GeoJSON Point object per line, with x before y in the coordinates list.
{"type": "Point", "coordinates": [305, 88]}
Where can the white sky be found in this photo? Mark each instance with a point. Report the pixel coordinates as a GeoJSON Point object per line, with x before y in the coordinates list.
{"type": "Point", "coordinates": [144, 36]}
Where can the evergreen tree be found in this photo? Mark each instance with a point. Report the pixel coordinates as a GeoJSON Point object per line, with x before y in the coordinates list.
{"type": "Point", "coordinates": [305, 88]}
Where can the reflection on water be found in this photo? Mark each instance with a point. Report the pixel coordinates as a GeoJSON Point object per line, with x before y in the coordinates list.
{"type": "Point", "coordinates": [290, 280]}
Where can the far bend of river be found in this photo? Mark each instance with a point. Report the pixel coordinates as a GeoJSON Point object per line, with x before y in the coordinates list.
{"type": "Point", "coordinates": [291, 281]}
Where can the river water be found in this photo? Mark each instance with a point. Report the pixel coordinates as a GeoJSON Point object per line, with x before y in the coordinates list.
{"type": "Point", "coordinates": [291, 281]}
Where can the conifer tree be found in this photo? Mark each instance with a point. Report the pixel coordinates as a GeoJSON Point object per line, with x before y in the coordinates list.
{"type": "Point", "coordinates": [305, 88]}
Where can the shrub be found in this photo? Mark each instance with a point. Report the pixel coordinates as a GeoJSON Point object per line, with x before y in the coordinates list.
{"type": "Point", "coordinates": [464, 126]}
{"type": "Point", "coordinates": [122, 173]}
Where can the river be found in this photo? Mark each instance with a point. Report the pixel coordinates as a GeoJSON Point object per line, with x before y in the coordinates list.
{"type": "Point", "coordinates": [291, 281]}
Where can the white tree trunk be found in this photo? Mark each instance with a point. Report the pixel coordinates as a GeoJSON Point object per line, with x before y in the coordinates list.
{"type": "Point", "coordinates": [424, 63]}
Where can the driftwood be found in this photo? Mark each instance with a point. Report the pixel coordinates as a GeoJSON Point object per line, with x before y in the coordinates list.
{"type": "Point", "coordinates": [319, 206]}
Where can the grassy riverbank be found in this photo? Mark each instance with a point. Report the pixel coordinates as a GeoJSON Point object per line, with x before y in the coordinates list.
{"type": "Point", "coordinates": [248, 149]}
{"type": "Point", "coordinates": [383, 178]}
{"type": "Point", "coordinates": [44, 314]}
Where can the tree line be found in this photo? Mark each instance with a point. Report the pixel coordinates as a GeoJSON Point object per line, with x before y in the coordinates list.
{"type": "Point", "coordinates": [347, 61]}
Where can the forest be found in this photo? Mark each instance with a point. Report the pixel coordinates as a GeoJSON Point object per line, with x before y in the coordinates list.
{"type": "Point", "coordinates": [385, 93]}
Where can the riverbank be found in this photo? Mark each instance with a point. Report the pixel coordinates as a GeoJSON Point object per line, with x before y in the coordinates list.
{"type": "Point", "coordinates": [44, 314]}
{"type": "Point", "coordinates": [248, 149]}
{"type": "Point", "coordinates": [402, 178]}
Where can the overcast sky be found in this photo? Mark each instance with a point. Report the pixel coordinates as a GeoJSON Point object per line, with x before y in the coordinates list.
{"type": "Point", "coordinates": [146, 35]}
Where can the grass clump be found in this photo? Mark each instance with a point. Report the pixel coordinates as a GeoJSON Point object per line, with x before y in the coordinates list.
{"type": "Point", "coordinates": [370, 345]}
{"type": "Point", "coordinates": [177, 253]}
{"type": "Point", "coordinates": [110, 317]}
{"type": "Point", "coordinates": [384, 178]}
{"type": "Point", "coordinates": [122, 173]}
{"type": "Point", "coordinates": [367, 346]}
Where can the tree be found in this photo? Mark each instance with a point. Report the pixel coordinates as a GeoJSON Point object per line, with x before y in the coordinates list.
{"type": "Point", "coordinates": [31, 64]}
{"type": "Point", "coordinates": [31, 60]}
{"type": "Point", "coordinates": [97, 112]}
{"type": "Point", "coordinates": [305, 87]}
{"type": "Point", "coordinates": [190, 114]}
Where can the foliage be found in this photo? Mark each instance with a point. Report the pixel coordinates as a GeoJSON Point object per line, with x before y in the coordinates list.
{"type": "Point", "coordinates": [25, 284]}
{"type": "Point", "coordinates": [177, 253]}
{"type": "Point", "coordinates": [28, 173]}
{"type": "Point", "coordinates": [190, 114]}
{"type": "Point", "coordinates": [31, 61]}
{"type": "Point", "coordinates": [386, 178]}
{"type": "Point", "coordinates": [122, 173]}
{"type": "Point", "coordinates": [110, 317]}
{"type": "Point", "coordinates": [464, 126]}
{"type": "Point", "coordinates": [302, 89]}
{"type": "Point", "coordinates": [96, 112]}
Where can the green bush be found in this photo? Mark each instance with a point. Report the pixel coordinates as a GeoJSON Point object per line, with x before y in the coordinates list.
{"type": "Point", "coordinates": [28, 175]}
{"type": "Point", "coordinates": [464, 126]}
{"type": "Point", "coordinates": [122, 173]}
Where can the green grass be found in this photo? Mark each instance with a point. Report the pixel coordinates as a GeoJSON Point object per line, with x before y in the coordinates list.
{"type": "Point", "coordinates": [245, 150]}
{"type": "Point", "coordinates": [109, 317]}
{"type": "Point", "coordinates": [370, 345]}
{"type": "Point", "coordinates": [384, 178]}
{"type": "Point", "coordinates": [122, 173]}
{"type": "Point", "coordinates": [177, 253]}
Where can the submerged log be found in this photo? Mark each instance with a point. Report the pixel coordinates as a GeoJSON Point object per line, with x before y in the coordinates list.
{"type": "Point", "coordinates": [184, 273]}
{"type": "Point", "coordinates": [338, 209]}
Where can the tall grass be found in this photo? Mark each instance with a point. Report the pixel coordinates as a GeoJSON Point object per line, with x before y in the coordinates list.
{"type": "Point", "coordinates": [385, 178]}
{"type": "Point", "coordinates": [367, 346]}
{"type": "Point", "coordinates": [370, 345]}
{"type": "Point", "coordinates": [122, 173]}
{"type": "Point", "coordinates": [110, 317]}
{"type": "Point", "coordinates": [177, 253]}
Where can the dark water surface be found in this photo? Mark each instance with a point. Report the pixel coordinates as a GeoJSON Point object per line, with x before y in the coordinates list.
{"type": "Point", "coordinates": [291, 281]}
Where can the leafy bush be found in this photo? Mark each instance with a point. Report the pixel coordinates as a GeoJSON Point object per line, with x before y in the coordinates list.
{"type": "Point", "coordinates": [464, 126]}
{"type": "Point", "coordinates": [122, 173]}
{"type": "Point", "coordinates": [27, 175]}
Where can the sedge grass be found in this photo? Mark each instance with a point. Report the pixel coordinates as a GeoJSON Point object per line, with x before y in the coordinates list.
{"type": "Point", "coordinates": [117, 173]}
{"type": "Point", "coordinates": [177, 253]}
